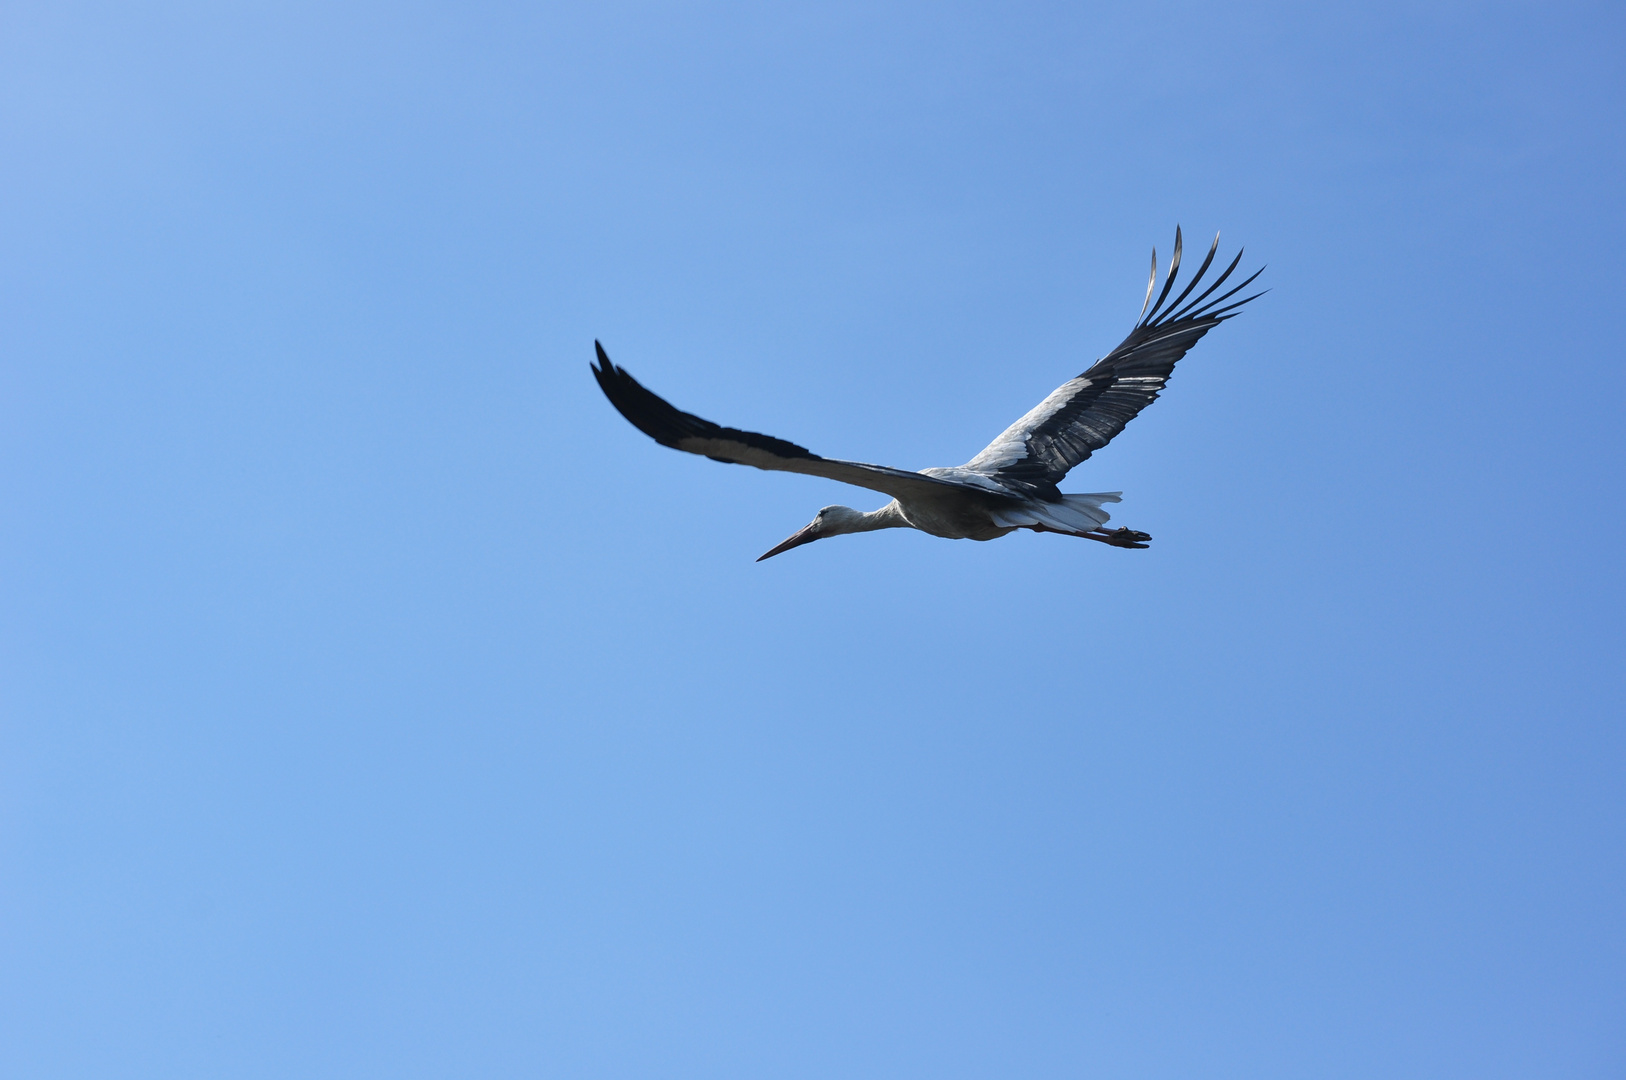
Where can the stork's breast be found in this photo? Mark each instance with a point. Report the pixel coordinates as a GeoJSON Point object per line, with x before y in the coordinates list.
{"type": "Point", "coordinates": [954, 517]}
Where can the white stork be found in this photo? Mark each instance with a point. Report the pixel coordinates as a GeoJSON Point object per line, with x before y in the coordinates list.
{"type": "Point", "coordinates": [1010, 485]}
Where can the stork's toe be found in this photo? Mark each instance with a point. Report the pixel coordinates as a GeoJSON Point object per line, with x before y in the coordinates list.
{"type": "Point", "coordinates": [1128, 538]}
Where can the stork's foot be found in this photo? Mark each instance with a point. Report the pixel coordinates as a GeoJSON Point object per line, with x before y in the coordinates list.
{"type": "Point", "coordinates": [1124, 538]}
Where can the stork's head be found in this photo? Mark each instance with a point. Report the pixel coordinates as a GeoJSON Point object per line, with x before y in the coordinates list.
{"type": "Point", "coordinates": [831, 521]}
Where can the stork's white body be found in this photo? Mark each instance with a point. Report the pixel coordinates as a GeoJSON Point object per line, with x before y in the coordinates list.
{"type": "Point", "coordinates": [957, 516]}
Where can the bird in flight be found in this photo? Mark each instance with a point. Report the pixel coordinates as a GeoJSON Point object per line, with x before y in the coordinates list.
{"type": "Point", "coordinates": [1010, 485]}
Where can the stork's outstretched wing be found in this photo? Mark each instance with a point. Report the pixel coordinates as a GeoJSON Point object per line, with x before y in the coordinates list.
{"type": "Point", "coordinates": [1084, 414]}
{"type": "Point", "coordinates": [672, 427]}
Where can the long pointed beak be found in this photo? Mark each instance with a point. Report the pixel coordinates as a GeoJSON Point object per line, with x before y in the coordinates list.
{"type": "Point", "coordinates": [806, 536]}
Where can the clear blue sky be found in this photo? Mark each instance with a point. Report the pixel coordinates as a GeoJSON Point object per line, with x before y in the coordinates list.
{"type": "Point", "coordinates": [378, 703]}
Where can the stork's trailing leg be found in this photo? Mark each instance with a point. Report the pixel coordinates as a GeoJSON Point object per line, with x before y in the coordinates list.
{"type": "Point", "coordinates": [1124, 538]}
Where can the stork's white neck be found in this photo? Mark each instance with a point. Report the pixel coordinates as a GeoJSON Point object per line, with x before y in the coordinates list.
{"type": "Point", "coordinates": [844, 519]}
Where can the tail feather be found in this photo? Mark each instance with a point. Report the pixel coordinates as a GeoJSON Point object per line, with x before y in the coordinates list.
{"type": "Point", "coordinates": [1075, 513]}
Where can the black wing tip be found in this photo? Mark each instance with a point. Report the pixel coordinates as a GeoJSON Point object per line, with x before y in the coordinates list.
{"type": "Point", "coordinates": [1230, 311]}
{"type": "Point", "coordinates": [647, 412]}
{"type": "Point", "coordinates": [669, 425]}
{"type": "Point", "coordinates": [1169, 276]}
{"type": "Point", "coordinates": [1201, 308]}
{"type": "Point", "coordinates": [605, 365]}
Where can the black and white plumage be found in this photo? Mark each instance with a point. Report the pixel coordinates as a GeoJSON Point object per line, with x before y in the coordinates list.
{"type": "Point", "coordinates": [1011, 484]}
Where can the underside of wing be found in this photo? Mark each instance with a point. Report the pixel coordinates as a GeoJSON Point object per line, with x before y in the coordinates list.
{"type": "Point", "coordinates": [670, 426]}
{"type": "Point", "coordinates": [1085, 413]}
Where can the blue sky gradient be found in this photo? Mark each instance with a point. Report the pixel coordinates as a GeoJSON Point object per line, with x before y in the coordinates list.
{"type": "Point", "coordinates": [377, 702]}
